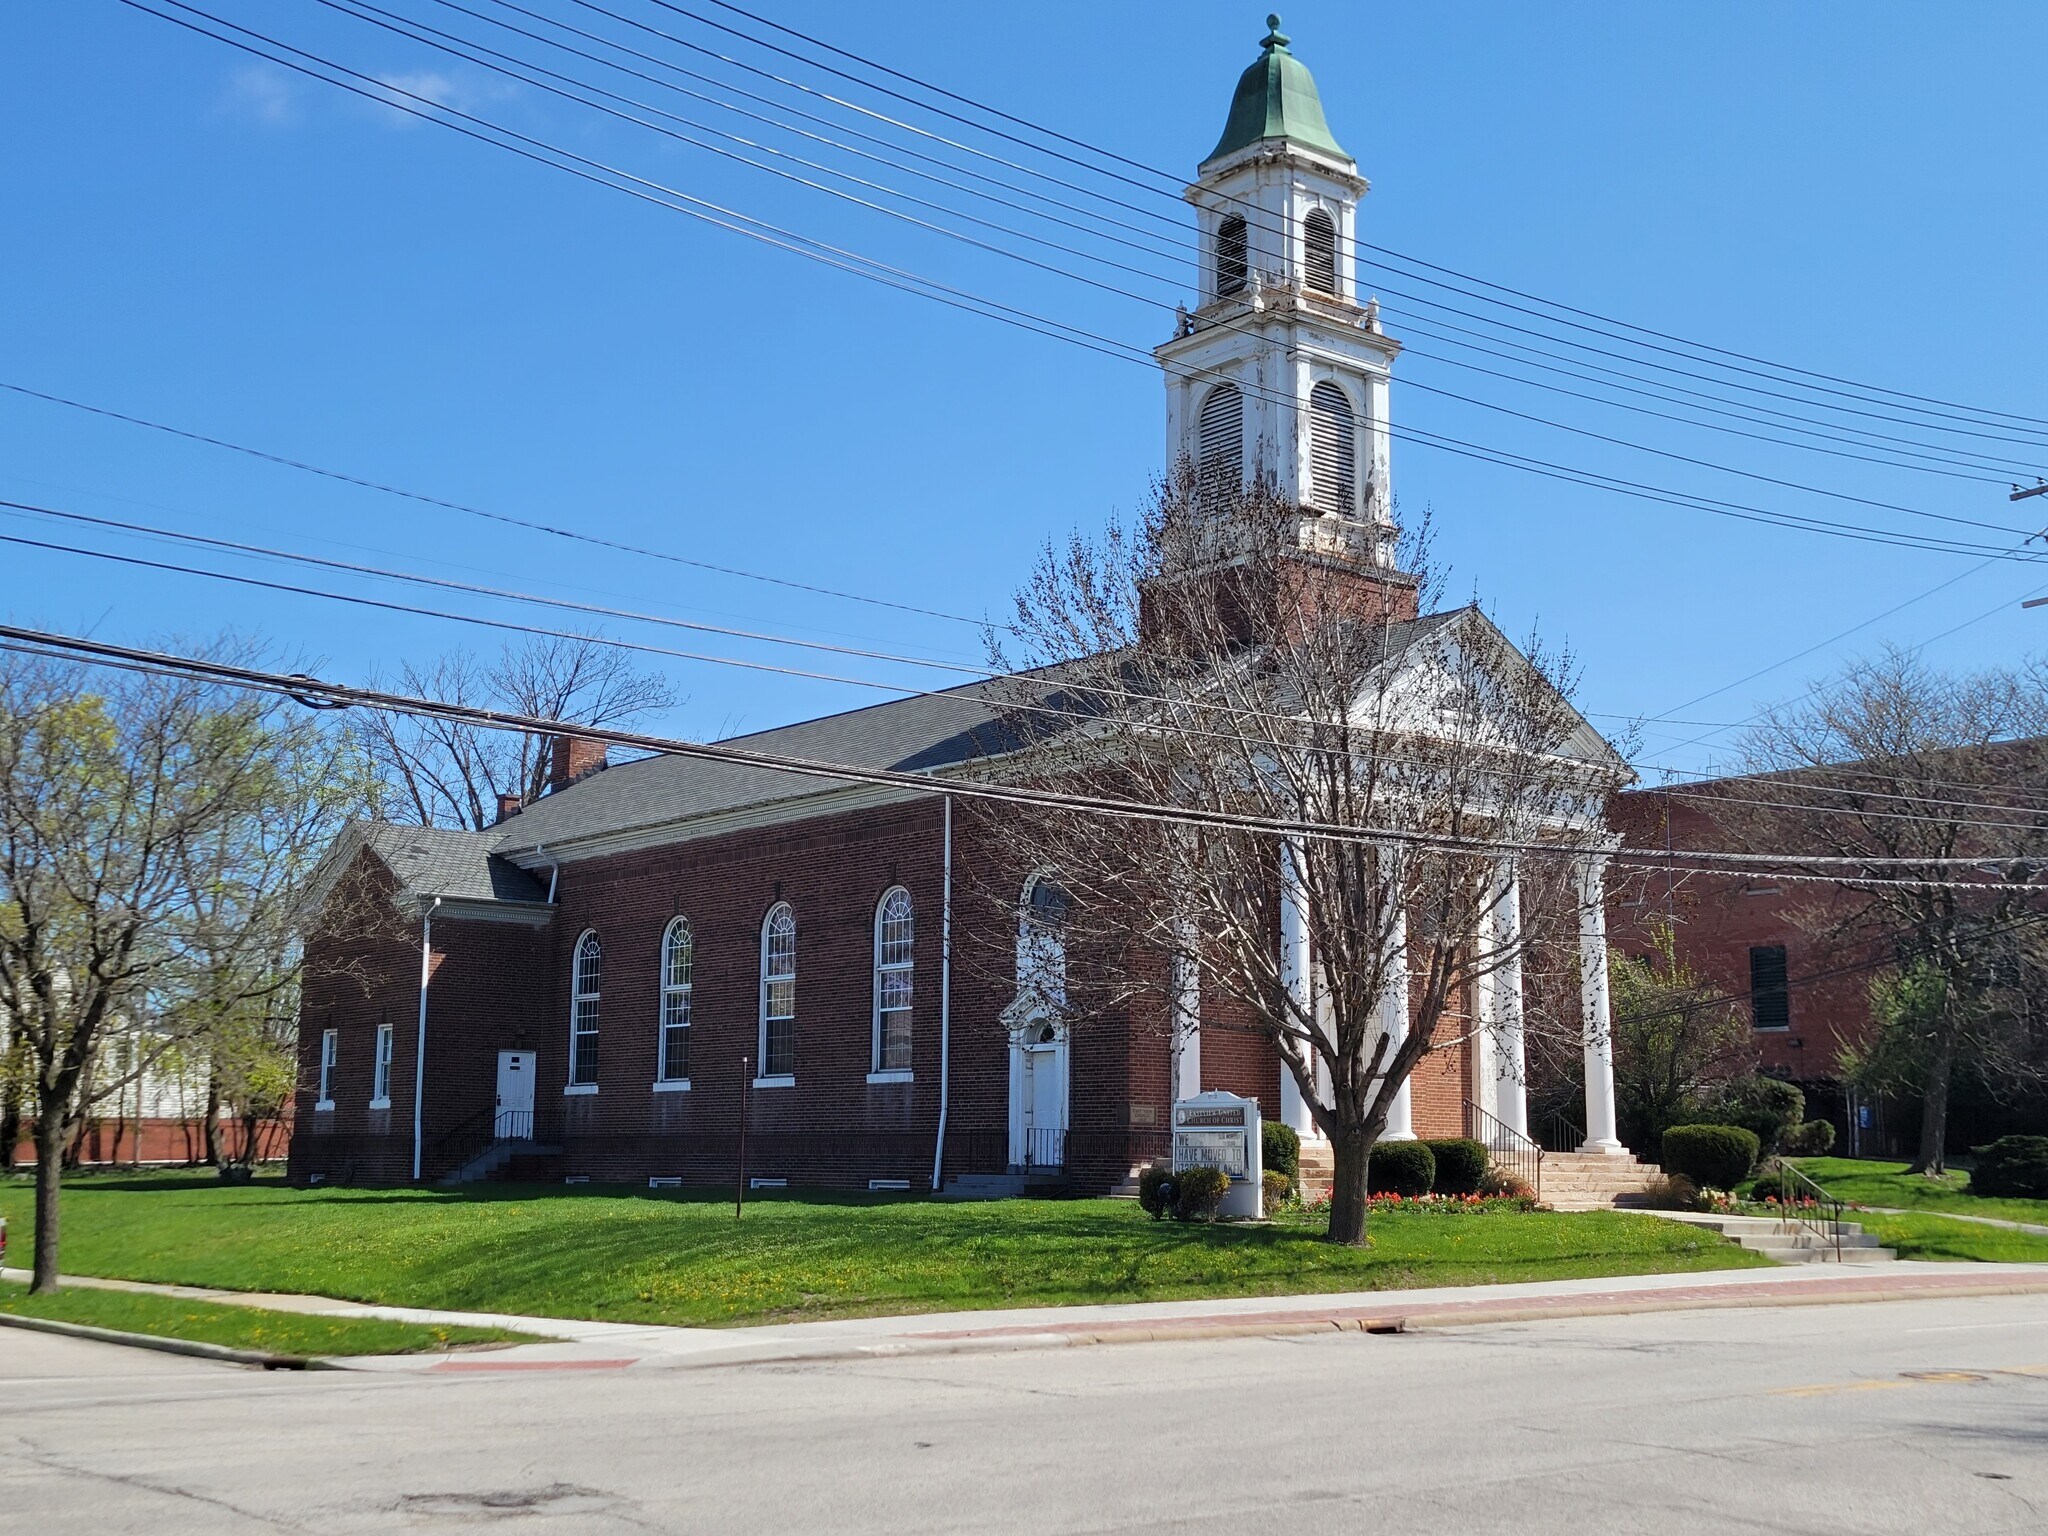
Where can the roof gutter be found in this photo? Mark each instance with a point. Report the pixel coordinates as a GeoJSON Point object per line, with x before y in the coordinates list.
{"type": "Point", "coordinates": [419, 1054]}
{"type": "Point", "coordinates": [945, 989]}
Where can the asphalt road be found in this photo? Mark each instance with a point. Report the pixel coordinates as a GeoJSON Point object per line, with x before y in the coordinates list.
{"type": "Point", "coordinates": [1928, 1417]}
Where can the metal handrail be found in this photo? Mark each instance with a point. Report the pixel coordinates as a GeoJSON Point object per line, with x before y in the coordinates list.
{"type": "Point", "coordinates": [469, 1136]}
{"type": "Point", "coordinates": [1568, 1135]}
{"type": "Point", "coordinates": [1506, 1146]}
{"type": "Point", "coordinates": [1823, 1201]}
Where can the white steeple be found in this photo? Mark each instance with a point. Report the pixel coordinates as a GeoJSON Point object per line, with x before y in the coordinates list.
{"type": "Point", "coordinates": [1281, 374]}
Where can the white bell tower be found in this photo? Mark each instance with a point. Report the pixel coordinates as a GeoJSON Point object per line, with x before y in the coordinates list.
{"type": "Point", "coordinates": [1280, 375]}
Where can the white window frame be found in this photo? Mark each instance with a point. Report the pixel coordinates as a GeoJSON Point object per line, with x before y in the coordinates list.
{"type": "Point", "coordinates": [763, 1078]}
{"type": "Point", "coordinates": [674, 996]}
{"type": "Point", "coordinates": [330, 1051]}
{"type": "Point", "coordinates": [578, 996]}
{"type": "Point", "coordinates": [886, 968]}
{"type": "Point", "coordinates": [1042, 946]}
{"type": "Point", "coordinates": [380, 1068]}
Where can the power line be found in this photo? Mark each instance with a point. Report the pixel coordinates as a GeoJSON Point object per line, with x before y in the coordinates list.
{"type": "Point", "coordinates": [1174, 182]}
{"type": "Point", "coordinates": [305, 688]}
{"type": "Point", "coordinates": [346, 8]}
{"type": "Point", "coordinates": [473, 511]}
{"type": "Point", "coordinates": [838, 257]}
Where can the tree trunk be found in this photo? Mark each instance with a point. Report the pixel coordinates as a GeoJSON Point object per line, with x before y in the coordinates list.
{"type": "Point", "coordinates": [10, 1129]}
{"type": "Point", "coordinates": [49, 1180]}
{"type": "Point", "coordinates": [1347, 1190]}
{"type": "Point", "coordinates": [216, 1153]}
{"type": "Point", "coordinates": [1933, 1158]}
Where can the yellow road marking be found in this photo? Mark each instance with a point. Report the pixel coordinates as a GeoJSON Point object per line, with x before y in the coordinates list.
{"type": "Point", "coordinates": [1908, 1379]}
{"type": "Point", "coordinates": [1826, 1387]}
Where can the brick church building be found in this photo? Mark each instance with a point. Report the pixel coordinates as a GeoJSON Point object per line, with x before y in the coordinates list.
{"type": "Point", "coordinates": [607, 979]}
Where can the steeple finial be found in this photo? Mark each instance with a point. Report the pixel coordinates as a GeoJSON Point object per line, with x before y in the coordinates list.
{"type": "Point", "coordinates": [1275, 38]}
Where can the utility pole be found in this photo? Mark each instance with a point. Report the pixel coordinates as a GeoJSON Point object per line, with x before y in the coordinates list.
{"type": "Point", "coordinates": [2019, 493]}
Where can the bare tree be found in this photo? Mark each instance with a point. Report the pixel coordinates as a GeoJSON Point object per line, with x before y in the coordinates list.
{"type": "Point", "coordinates": [1894, 761]}
{"type": "Point", "coordinates": [1219, 660]}
{"type": "Point", "coordinates": [443, 773]}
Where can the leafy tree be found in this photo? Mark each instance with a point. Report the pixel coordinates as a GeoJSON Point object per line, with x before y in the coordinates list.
{"type": "Point", "coordinates": [151, 827]}
{"type": "Point", "coordinates": [1676, 1040]}
{"type": "Point", "coordinates": [1914, 791]}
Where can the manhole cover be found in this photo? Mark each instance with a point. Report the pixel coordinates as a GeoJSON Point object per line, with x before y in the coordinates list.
{"type": "Point", "coordinates": [498, 1503]}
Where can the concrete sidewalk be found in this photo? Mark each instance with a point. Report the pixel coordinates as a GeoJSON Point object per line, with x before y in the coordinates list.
{"type": "Point", "coordinates": [586, 1345]}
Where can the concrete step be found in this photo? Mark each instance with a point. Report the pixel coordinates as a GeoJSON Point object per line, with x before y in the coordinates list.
{"type": "Point", "coordinates": [1789, 1242]}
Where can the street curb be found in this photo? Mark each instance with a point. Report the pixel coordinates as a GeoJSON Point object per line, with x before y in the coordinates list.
{"type": "Point", "coordinates": [193, 1347]}
{"type": "Point", "coordinates": [1421, 1320]}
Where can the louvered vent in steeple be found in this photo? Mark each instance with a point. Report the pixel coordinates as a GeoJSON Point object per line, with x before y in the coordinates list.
{"type": "Point", "coordinates": [1319, 252]}
{"type": "Point", "coordinates": [1219, 447]}
{"type": "Point", "coordinates": [1333, 456]}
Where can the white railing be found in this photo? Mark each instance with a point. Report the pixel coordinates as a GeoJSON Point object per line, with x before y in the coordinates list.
{"type": "Point", "coordinates": [513, 1125]}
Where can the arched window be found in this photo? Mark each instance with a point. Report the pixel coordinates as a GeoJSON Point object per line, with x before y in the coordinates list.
{"type": "Point", "coordinates": [1042, 942]}
{"type": "Point", "coordinates": [1333, 456]}
{"type": "Point", "coordinates": [583, 994]}
{"type": "Point", "coordinates": [678, 951]}
{"type": "Point", "coordinates": [1232, 260]}
{"type": "Point", "coordinates": [893, 957]}
{"type": "Point", "coordinates": [1319, 252]}
{"type": "Point", "coordinates": [1219, 444]}
{"type": "Point", "coordinates": [778, 992]}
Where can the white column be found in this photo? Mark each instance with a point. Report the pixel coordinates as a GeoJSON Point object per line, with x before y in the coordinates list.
{"type": "Point", "coordinates": [1394, 1021]}
{"type": "Point", "coordinates": [1184, 997]}
{"type": "Point", "coordinates": [1510, 1058]}
{"type": "Point", "coordinates": [1592, 883]}
{"type": "Point", "coordinates": [1294, 975]}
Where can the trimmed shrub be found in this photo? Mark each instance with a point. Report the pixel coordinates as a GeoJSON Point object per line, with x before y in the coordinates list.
{"type": "Point", "coordinates": [1278, 1190]}
{"type": "Point", "coordinates": [1774, 1184]}
{"type": "Point", "coordinates": [1712, 1156]}
{"type": "Point", "coordinates": [1155, 1190]}
{"type": "Point", "coordinates": [1197, 1192]}
{"type": "Point", "coordinates": [1672, 1192]}
{"type": "Point", "coordinates": [1812, 1139]}
{"type": "Point", "coordinates": [1499, 1182]}
{"type": "Point", "coordinates": [1460, 1164]}
{"type": "Point", "coordinates": [2012, 1166]}
{"type": "Point", "coordinates": [1768, 1108]}
{"type": "Point", "coordinates": [1404, 1168]}
{"type": "Point", "coordinates": [1280, 1151]}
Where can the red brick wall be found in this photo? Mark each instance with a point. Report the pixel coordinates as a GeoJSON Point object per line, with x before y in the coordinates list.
{"type": "Point", "coordinates": [503, 986]}
{"type": "Point", "coordinates": [1716, 919]}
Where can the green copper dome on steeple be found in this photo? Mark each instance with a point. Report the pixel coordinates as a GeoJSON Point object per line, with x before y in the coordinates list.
{"type": "Point", "coordinates": [1276, 99]}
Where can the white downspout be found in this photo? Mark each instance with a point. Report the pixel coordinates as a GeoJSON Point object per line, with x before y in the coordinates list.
{"type": "Point", "coordinates": [419, 1055]}
{"type": "Point", "coordinates": [945, 991]}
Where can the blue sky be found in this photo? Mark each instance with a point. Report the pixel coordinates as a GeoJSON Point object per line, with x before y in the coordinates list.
{"type": "Point", "coordinates": [207, 241]}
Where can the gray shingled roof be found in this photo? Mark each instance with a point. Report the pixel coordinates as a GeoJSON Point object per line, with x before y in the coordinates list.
{"type": "Point", "coordinates": [913, 735]}
{"type": "Point", "coordinates": [457, 866]}
{"type": "Point", "coordinates": [924, 733]}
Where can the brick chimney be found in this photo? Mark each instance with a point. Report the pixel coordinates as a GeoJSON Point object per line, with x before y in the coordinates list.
{"type": "Point", "coordinates": [571, 758]}
{"type": "Point", "coordinates": [508, 806]}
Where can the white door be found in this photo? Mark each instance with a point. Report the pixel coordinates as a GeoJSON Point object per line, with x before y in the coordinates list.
{"type": "Point", "coordinates": [515, 1095]}
{"type": "Point", "coordinates": [1045, 1107]}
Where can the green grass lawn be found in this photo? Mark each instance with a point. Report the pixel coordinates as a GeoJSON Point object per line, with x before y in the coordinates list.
{"type": "Point", "coordinates": [1939, 1237]}
{"type": "Point", "coordinates": [631, 1255]}
{"type": "Point", "coordinates": [277, 1333]}
{"type": "Point", "coordinates": [1864, 1182]}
